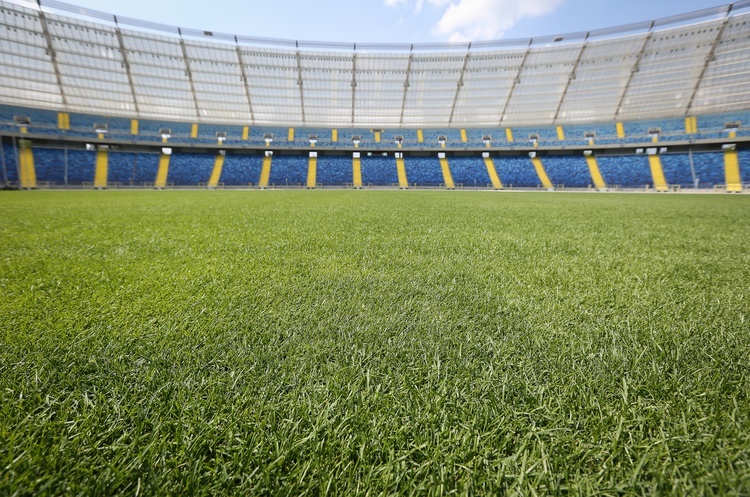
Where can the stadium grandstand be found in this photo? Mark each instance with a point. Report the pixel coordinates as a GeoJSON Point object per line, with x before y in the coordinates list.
{"type": "Point", "coordinates": [94, 100]}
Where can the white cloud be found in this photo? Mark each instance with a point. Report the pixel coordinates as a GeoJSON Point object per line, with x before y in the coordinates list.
{"type": "Point", "coordinates": [472, 20]}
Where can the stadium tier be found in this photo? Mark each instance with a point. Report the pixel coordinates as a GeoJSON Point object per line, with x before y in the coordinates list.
{"type": "Point", "coordinates": [85, 102]}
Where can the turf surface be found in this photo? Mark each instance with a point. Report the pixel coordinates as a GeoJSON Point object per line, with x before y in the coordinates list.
{"type": "Point", "coordinates": [297, 343]}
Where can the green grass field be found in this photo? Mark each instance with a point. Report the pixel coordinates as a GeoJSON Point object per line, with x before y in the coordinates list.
{"type": "Point", "coordinates": [355, 342]}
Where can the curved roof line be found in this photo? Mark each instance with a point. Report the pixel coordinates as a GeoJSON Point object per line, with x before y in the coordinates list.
{"type": "Point", "coordinates": [634, 28]}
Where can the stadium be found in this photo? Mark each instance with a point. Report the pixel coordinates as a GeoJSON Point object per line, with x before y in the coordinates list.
{"type": "Point", "coordinates": [235, 264]}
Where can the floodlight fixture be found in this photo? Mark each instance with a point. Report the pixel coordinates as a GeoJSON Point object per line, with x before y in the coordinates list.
{"type": "Point", "coordinates": [313, 154]}
{"type": "Point", "coordinates": [588, 153]}
{"type": "Point", "coordinates": [269, 153]}
{"type": "Point", "coordinates": [441, 155]}
{"type": "Point", "coordinates": [166, 151]}
{"type": "Point", "coordinates": [485, 155]}
{"type": "Point", "coordinates": [532, 154]}
{"type": "Point", "coordinates": [729, 146]}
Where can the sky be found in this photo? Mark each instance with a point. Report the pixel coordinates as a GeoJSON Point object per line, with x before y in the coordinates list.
{"type": "Point", "coordinates": [395, 21]}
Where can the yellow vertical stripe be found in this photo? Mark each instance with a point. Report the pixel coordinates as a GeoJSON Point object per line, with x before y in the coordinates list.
{"type": "Point", "coordinates": [657, 173]}
{"type": "Point", "coordinates": [312, 166]}
{"type": "Point", "coordinates": [560, 133]}
{"type": "Point", "coordinates": [596, 174]}
{"type": "Point", "coordinates": [334, 135]}
{"type": "Point", "coordinates": [546, 183]}
{"type": "Point", "coordinates": [620, 130]}
{"type": "Point", "coordinates": [161, 174]}
{"type": "Point", "coordinates": [655, 138]}
{"type": "Point", "coordinates": [732, 134]}
{"type": "Point", "coordinates": [490, 164]}
{"type": "Point", "coordinates": [377, 137]}
{"type": "Point", "coordinates": [447, 176]}
{"type": "Point", "coordinates": [265, 172]}
{"type": "Point", "coordinates": [509, 135]}
{"type": "Point", "coordinates": [401, 170]}
{"type": "Point", "coordinates": [689, 126]}
{"type": "Point", "coordinates": [102, 165]}
{"type": "Point", "coordinates": [732, 171]}
{"type": "Point", "coordinates": [63, 120]}
{"type": "Point", "coordinates": [194, 131]}
{"type": "Point", "coordinates": [357, 172]}
{"type": "Point", "coordinates": [134, 127]}
{"type": "Point", "coordinates": [464, 138]}
{"type": "Point", "coordinates": [245, 133]}
{"type": "Point", "coordinates": [420, 136]}
{"type": "Point", "coordinates": [28, 171]}
{"type": "Point", "coordinates": [290, 135]}
{"type": "Point", "coordinates": [213, 181]}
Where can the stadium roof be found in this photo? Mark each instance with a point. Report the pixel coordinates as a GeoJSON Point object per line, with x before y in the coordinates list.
{"type": "Point", "coordinates": [97, 63]}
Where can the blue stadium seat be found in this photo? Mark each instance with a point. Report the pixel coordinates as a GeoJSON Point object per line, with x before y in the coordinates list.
{"type": "Point", "coordinates": [515, 171]}
{"type": "Point", "coordinates": [334, 170]}
{"type": "Point", "coordinates": [631, 171]}
{"type": "Point", "coordinates": [241, 169]}
{"type": "Point", "coordinates": [469, 171]}
{"type": "Point", "coordinates": [569, 170]}
{"type": "Point", "coordinates": [190, 169]}
{"type": "Point", "coordinates": [423, 171]}
{"type": "Point", "coordinates": [122, 167]}
{"type": "Point", "coordinates": [744, 158]}
{"type": "Point", "coordinates": [288, 170]}
{"type": "Point", "coordinates": [9, 161]}
{"type": "Point", "coordinates": [49, 164]}
{"type": "Point", "coordinates": [81, 166]}
{"type": "Point", "coordinates": [379, 170]}
{"type": "Point", "coordinates": [676, 169]}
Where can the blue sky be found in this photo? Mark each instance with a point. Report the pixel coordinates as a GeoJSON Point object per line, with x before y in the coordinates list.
{"type": "Point", "coordinates": [396, 21]}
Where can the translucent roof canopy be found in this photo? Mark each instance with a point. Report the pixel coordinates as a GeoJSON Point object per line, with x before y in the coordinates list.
{"type": "Point", "coordinates": [690, 64]}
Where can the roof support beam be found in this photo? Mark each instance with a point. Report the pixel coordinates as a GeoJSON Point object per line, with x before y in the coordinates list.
{"type": "Point", "coordinates": [354, 80]}
{"type": "Point", "coordinates": [636, 67]}
{"type": "Point", "coordinates": [299, 84]}
{"type": "Point", "coordinates": [516, 81]}
{"type": "Point", "coordinates": [406, 85]}
{"type": "Point", "coordinates": [708, 59]}
{"type": "Point", "coordinates": [189, 74]}
{"type": "Point", "coordinates": [571, 77]}
{"type": "Point", "coordinates": [51, 52]}
{"type": "Point", "coordinates": [245, 83]}
{"type": "Point", "coordinates": [126, 65]}
{"type": "Point", "coordinates": [459, 84]}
